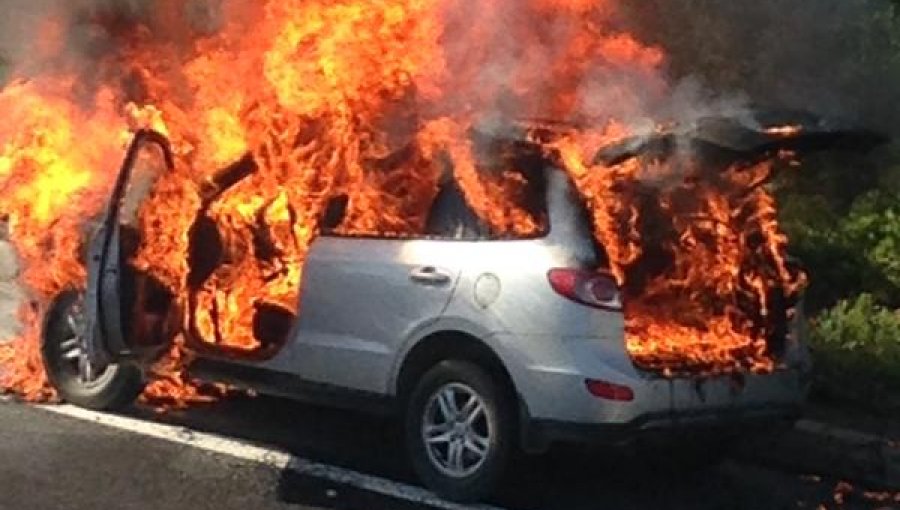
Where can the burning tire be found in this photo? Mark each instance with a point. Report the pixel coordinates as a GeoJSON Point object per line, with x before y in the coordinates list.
{"type": "Point", "coordinates": [77, 380]}
{"type": "Point", "coordinates": [459, 430]}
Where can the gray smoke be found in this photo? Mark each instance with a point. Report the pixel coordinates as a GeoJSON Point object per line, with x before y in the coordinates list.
{"type": "Point", "coordinates": [838, 58]}
{"type": "Point", "coordinates": [88, 29]}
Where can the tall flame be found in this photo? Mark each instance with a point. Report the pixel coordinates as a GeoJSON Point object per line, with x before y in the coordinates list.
{"type": "Point", "coordinates": [368, 99]}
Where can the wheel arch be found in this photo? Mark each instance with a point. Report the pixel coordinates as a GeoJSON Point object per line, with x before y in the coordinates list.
{"type": "Point", "coordinates": [448, 344]}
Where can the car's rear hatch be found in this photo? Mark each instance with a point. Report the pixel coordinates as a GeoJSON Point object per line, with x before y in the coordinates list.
{"type": "Point", "coordinates": [721, 143]}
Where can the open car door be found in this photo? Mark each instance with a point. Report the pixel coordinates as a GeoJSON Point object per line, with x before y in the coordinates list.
{"type": "Point", "coordinates": [110, 293]}
{"type": "Point", "coordinates": [91, 345]}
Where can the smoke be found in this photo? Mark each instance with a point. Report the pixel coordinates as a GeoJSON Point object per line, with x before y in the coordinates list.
{"type": "Point", "coordinates": [837, 58]}
{"type": "Point", "coordinates": [570, 60]}
{"type": "Point", "coordinates": [636, 63]}
{"type": "Point", "coordinates": [833, 58]}
{"type": "Point", "coordinates": [73, 36]}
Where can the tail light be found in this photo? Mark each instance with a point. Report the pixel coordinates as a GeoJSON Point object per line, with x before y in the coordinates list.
{"type": "Point", "coordinates": [589, 288]}
{"type": "Point", "coordinates": [609, 391]}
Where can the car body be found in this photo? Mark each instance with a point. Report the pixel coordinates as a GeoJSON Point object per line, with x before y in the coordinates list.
{"type": "Point", "coordinates": [364, 308]}
{"type": "Point", "coordinates": [399, 324]}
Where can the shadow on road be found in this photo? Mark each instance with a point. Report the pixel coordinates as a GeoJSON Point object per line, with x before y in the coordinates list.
{"type": "Point", "coordinates": [562, 479]}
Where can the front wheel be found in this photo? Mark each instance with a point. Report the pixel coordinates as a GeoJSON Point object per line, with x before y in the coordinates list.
{"type": "Point", "coordinates": [70, 371]}
{"type": "Point", "coordinates": [459, 430]}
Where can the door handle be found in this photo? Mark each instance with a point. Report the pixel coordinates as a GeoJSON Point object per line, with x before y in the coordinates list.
{"type": "Point", "coordinates": [429, 275]}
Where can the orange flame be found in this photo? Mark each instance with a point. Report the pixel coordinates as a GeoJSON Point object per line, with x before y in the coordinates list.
{"type": "Point", "coordinates": [371, 100]}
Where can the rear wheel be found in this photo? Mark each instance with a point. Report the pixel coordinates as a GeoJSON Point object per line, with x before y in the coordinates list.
{"type": "Point", "coordinates": [459, 430]}
{"type": "Point", "coordinates": [78, 381]}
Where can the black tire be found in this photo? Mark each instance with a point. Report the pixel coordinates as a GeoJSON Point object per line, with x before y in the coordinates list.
{"type": "Point", "coordinates": [499, 415]}
{"type": "Point", "coordinates": [118, 384]}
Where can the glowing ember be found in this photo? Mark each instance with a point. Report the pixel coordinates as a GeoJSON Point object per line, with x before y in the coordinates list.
{"type": "Point", "coordinates": [785, 131]}
{"type": "Point", "coordinates": [308, 100]}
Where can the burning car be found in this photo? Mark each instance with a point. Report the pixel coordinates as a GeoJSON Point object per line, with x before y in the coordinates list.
{"type": "Point", "coordinates": [485, 340]}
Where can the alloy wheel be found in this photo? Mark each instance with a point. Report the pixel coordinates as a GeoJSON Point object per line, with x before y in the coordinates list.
{"type": "Point", "coordinates": [456, 430]}
{"type": "Point", "coordinates": [73, 348]}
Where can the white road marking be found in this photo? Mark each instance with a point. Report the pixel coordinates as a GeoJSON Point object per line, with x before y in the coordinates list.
{"type": "Point", "coordinates": [271, 457]}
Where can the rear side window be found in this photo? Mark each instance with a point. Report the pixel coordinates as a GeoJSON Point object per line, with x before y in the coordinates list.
{"type": "Point", "coordinates": [450, 217]}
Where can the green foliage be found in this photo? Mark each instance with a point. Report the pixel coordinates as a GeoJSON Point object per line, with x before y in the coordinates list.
{"type": "Point", "coordinates": [846, 253]}
{"type": "Point", "coordinates": [860, 326]}
{"type": "Point", "coordinates": [873, 227]}
{"type": "Point", "coordinates": [856, 346]}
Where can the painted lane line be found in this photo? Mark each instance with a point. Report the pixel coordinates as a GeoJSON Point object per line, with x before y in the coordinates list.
{"type": "Point", "coordinates": [272, 457]}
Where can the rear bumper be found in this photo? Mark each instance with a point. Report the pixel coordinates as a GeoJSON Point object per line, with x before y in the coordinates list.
{"type": "Point", "coordinates": [538, 434]}
{"type": "Point", "coordinates": [550, 378]}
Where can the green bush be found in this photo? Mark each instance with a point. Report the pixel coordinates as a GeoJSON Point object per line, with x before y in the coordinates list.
{"type": "Point", "coordinates": [873, 225]}
{"type": "Point", "coordinates": [846, 252]}
{"type": "Point", "coordinates": [856, 347]}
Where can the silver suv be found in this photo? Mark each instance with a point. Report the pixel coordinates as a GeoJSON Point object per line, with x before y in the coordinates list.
{"type": "Point", "coordinates": [482, 345]}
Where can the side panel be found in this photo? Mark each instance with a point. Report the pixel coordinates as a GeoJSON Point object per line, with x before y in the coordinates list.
{"type": "Point", "coordinates": [360, 299]}
{"type": "Point", "coordinates": [548, 343]}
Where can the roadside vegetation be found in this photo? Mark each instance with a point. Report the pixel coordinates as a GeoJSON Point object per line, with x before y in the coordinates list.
{"type": "Point", "coordinates": [852, 253]}
{"type": "Point", "coordinates": [858, 354]}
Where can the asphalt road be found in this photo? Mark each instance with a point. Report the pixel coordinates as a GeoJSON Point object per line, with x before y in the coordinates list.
{"type": "Point", "coordinates": [49, 461]}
